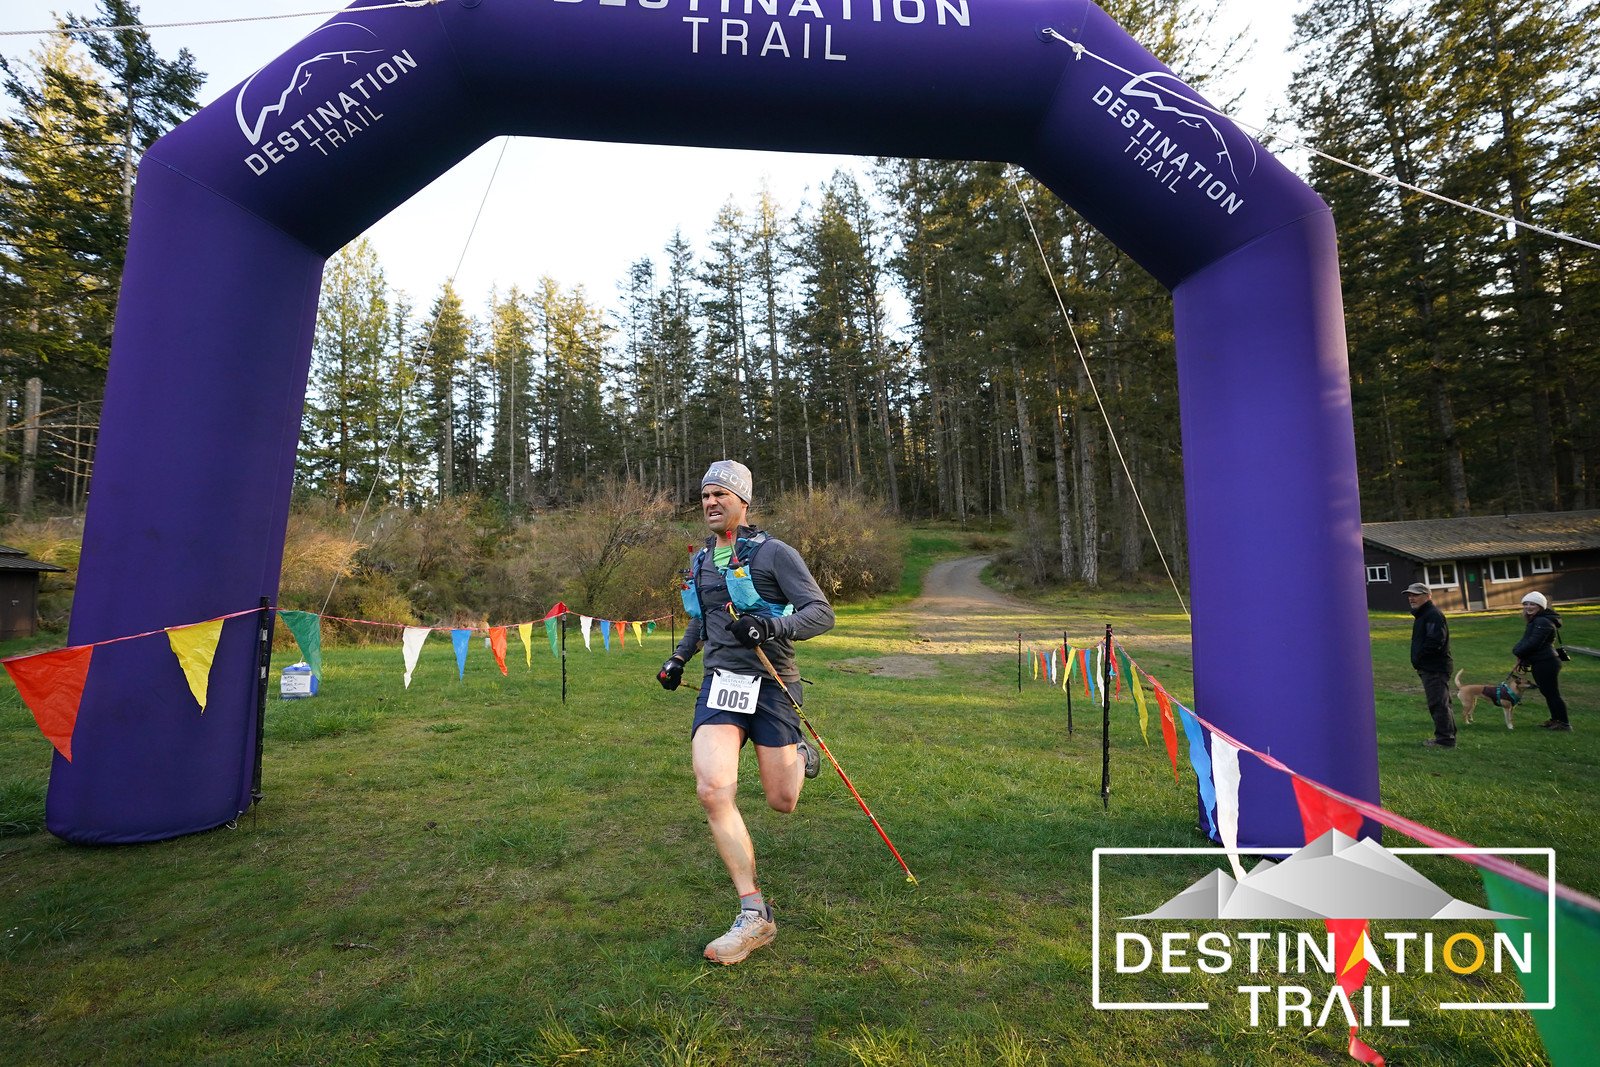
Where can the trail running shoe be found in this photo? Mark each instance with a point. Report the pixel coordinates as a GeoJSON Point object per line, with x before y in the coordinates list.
{"type": "Point", "coordinates": [1561, 727]}
{"type": "Point", "coordinates": [749, 932]}
{"type": "Point", "coordinates": [1434, 742]}
{"type": "Point", "coordinates": [813, 759]}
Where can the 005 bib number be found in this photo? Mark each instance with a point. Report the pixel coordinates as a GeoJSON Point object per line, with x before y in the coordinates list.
{"type": "Point", "coordinates": [734, 692]}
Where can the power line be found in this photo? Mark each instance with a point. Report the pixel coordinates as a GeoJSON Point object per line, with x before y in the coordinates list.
{"type": "Point", "coordinates": [214, 22]}
{"type": "Point", "coordinates": [1081, 50]}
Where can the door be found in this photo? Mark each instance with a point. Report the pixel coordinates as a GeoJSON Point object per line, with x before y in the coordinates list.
{"type": "Point", "coordinates": [1474, 585]}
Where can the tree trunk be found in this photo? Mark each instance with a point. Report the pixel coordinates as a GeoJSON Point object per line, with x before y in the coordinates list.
{"type": "Point", "coordinates": [1063, 501]}
{"type": "Point", "coordinates": [33, 399]}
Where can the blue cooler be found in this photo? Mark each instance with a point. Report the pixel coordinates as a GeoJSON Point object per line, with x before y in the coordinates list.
{"type": "Point", "coordinates": [297, 682]}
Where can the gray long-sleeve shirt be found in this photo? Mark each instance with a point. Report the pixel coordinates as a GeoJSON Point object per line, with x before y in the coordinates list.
{"type": "Point", "coordinates": [781, 577]}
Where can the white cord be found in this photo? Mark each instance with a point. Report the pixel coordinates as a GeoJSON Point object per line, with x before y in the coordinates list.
{"type": "Point", "coordinates": [427, 345]}
{"type": "Point", "coordinates": [1084, 360]}
{"type": "Point", "coordinates": [1080, 51]}
{"type": "Point", "coordinates": [214, 22]}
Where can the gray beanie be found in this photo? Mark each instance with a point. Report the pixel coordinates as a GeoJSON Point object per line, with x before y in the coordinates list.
{"type": "Point", "coordinates": [732, 476]}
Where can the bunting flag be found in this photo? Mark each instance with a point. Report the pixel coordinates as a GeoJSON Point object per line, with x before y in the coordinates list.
{"type": "Point", "coordinates": [586, 622]}
{"type": "Point", "coordinates": [1071, 660]}
{"type": "Point", "coordinates": [650, 627]}
{"type": "Point", "coordinates": [638, 632]}
{"type": "Point", "coordinates": [1138, 700]}
{"type": "Point", "coordinates": [622, 636]}
{"type": "Point", "coordinates": [525, 634]}
{"type": "Point", "coordinates": [51, 685]}
{"type": "Point", "coordinates": [411, 647]}
{"type": "Point", "coordinates": [1052, 666]}
{"type": "Point", "coordinates": [605, 634]}
{"type": "Point", "coordinates": [552, 620]}
{"type": "Point", "coordinates": [196, 649]}
{"type": "Point", "coordinates": [497, 645]}
{"type": "Point", "coordinates": [462, 639]}
{"type": "Point", "coordinates": [1094, 679]}
{"type": "Point", "coordinates": [307, 629]}
{"type": "Point", "coordinates": [1225, 772]}
{"type": "Point", "coordinates": [1116, 672]}
{"type": "Point", "coordinates": [1169, 729]}
{"type": "Point", "coordinates": [1083, 663]}
{"type": "Point", "coordinates": [1568, 1028]}
{"type": "Point", "coordinates": [1320, 813]}
{"type": "Point", "coordinates": [1201, 762]}
{"type": "Point", "coordinates": [1036, 666]}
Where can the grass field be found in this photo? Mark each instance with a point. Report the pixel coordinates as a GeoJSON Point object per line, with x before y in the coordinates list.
{"type": "Point", "coordinates": [473, 872]}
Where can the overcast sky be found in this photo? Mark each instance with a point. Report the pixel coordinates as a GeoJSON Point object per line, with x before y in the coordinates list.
{"type": "Point", "coordinates": [568, 209]}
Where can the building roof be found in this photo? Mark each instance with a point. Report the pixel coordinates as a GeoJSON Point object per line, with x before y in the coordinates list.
{"type": "Point", "coordinates": [1438, 540]}
{"type": "Point", "coordinates": [14, 559]}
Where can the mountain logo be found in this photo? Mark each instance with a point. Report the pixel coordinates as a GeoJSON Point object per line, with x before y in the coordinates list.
{"type": "Point", "coordinates": [1333, 877]}
{"type": "Point", "coordinates": [339, 42]}
{"type": "Point", "coordinates": [1158, 88]}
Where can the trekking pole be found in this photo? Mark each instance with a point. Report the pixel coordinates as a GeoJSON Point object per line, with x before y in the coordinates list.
{"type": "Point", "coordinates": [823, 745]}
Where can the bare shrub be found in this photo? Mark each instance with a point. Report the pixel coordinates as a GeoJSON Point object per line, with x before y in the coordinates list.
{"type": "Point", "coordinates": [58, 541]}
{"type": "Point", "coordinates": [853, 546]}
{"type": "Point", "coordinates": [626, 550]}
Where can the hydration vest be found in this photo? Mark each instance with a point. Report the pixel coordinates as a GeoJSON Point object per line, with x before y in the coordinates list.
{"type": "Point", "coordinates": [739, 575]}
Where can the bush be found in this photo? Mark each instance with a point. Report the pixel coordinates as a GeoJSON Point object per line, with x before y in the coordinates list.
{"type": "Point", "coordinates": [58, 541]}
{"type": "Point", "coordinates": [853, 546]}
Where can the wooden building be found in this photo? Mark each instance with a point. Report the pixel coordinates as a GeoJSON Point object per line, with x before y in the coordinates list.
{"type": "Point", "coordinates": [19, 592]}
{"type": "Point", "coordinates": [1483, 563]}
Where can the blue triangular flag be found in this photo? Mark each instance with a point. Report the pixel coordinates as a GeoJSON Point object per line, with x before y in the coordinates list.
{"type": "Point", "coordinates": [1200, 760]}
{"type": "Point", "coordinates": [461, 639]}
{"type": "Point", "coordinates": [605, 634]}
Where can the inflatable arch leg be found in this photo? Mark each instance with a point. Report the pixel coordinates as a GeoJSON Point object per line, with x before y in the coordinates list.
{"type": "Point", "coordinates": [237, 210]}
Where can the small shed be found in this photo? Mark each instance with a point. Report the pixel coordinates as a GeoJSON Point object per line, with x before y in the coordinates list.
{"type": "Point", "coordinates": [19, 592]}
{"type": "Point", "coordinates": [1484, 562]}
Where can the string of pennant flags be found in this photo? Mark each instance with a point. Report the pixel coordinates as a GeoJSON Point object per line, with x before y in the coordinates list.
{"type": "Point", "coordinates": [51, 683]}
{"type": "Point", "coordinates": [1214, 758]}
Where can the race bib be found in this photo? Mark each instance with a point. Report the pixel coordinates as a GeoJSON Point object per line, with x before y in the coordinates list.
{"type": "Point", "coordinates": [734, 692]}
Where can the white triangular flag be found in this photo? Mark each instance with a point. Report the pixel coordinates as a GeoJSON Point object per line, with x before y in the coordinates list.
{"type": "Point", "coordinates": [411, 644]}
{"type": "Point", "coordinates": [1225, 776]}
{"type": "Point", "coordinates": [586, 622]}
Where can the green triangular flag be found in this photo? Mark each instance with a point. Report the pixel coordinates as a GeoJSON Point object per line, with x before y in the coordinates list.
{"type": "Point", "coordinates": [550, 632]}
{"type": "Point", "coordinates": [1568, 1028]}
{"type": "Point", "coordinates": [307, 630]}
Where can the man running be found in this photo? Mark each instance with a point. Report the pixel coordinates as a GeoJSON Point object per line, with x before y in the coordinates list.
{"type": "Point", "coordinates": [742, 570]}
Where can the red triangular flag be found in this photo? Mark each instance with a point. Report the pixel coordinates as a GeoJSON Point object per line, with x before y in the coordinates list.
{"type": "Point", "coordinates": [559, 609]}
{"type": "Point", "coordinates": [1083, 661]}
{"type": "Point", "coordinates": [1169, 729]}
{"type": "Point", "coordinates": [497, 645]}
{"type": "Point", "coordinates": [51, 684]}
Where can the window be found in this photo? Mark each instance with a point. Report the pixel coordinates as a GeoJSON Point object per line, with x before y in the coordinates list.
{"type": "Point", "coordinates": [1541, 565]}
{"type": "Point", "coordinates": [1506, 570]}
{"type": "Point", "coordinates": [1440, 576]}
{"type": "Point", "coordinates": [1378, 573]}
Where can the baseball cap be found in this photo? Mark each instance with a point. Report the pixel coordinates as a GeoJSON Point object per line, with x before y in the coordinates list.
{"type": "Point", "coordinates": [1418, 588]}
{"type": "Point", "coordinates": [1536, 598]}
{"type": "Point", "coordinates": [732, 476]}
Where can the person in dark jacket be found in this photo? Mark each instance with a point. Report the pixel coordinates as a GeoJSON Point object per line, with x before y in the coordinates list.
{"type": "Point", "coordinates": [1537, 651]}
{"type": "Point", "coordinates": [778, 602]}
{"type": "Point", "coordinates": [1430, 658]}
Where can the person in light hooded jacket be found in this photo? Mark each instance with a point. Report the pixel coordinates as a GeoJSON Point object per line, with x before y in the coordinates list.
{"type": "Point", "coordinates": [1537, 651]}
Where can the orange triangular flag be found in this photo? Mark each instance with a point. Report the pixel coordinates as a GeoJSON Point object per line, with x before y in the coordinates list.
{"type": "Point", "coordinates": [622, 636]}
{"type": "Point", "coordinates": [51, 684]}
{"type": "Point", "coordinates": [196, 649]}
{"type": "Point", "coordinates": [497, 645]}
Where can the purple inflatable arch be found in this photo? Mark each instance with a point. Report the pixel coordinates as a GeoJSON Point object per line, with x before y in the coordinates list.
{"type": "Point", "coordinates": [237, 210]}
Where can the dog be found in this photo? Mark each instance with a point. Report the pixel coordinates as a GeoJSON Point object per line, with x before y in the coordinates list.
{"type": "Point", "coordinates": [1505, 696]}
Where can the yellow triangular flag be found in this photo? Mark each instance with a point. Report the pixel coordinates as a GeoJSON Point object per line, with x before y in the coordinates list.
{"type": "Point", "coordinates": [1138, 698]}
{"type": "Point", "coordinates": [525, 631]}
{"type": "Point", "coordinates": [638, 632]}
{"type": "Point", "coordinates": [196, 648]}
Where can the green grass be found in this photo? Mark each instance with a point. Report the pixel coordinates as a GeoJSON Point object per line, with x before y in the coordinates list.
{"type": "Point", "coordinates": [473, 872]}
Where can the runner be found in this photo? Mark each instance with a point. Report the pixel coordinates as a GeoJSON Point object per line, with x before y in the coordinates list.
{"type": "Point", "coordinates": [777, 602]}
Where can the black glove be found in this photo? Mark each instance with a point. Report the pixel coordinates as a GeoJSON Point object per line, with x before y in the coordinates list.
{"type": "Point", "coordinates": [753, 630]}
{"type": "Point", "coordinates": [671, 673]}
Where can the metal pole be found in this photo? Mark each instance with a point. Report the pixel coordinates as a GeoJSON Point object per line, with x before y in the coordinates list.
{"type": "Point", "coordinates": [1066, 680]}
{"type": "Point", "coordinates": [263, 665]}
{"type": "Point", "coordinates": [563, 617]}
{"type": "Point", "coordinates": [1105, 725]}
{"type": "Point", "coordinates": [1019, 661]}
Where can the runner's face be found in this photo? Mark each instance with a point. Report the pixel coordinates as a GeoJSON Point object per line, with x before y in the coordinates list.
{"type": "Point", "coordinates": [724, 512]}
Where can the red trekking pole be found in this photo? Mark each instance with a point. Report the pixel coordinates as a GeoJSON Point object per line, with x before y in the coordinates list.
{"type": "Point", "coordinates": [823, 745]}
